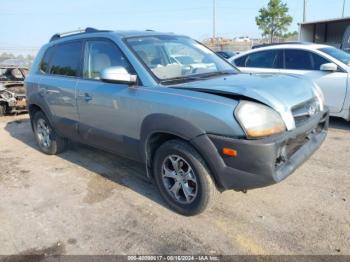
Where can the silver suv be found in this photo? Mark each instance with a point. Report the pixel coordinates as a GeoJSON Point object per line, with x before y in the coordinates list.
{"type": "Point", "coordinates": [199, 125]}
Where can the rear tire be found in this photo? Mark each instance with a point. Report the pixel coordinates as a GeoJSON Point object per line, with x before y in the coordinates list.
{"type": "Point", "coordinates": [183, 178]}
{"type": "Point", "coordinates": [47, 139]}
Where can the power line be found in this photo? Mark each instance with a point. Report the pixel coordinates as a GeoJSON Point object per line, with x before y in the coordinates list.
{"type": "Point", "coordinates": [160, 11]}
{"type": "Point", "coordinates": [20, 48]}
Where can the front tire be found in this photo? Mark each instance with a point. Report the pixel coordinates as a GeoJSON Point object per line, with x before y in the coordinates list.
{"type": "Point", "coordinates": [47, 139]}
{"type": "Point", "coordinates": [183, 178]}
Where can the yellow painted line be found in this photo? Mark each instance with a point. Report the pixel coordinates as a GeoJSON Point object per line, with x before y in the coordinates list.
{"type": "Point", "coordinates": [245, 243]}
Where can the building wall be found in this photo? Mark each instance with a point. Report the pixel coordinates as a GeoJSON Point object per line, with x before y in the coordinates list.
{"type": "Point", "coordinates": [330, 32]}
{"type": "Point", "coordinates": [306, 33]}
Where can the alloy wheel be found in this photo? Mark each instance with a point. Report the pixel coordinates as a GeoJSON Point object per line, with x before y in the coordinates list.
{"type": "Point", "coordinates": [179, 179]}
{"type": "Point", "coordinates": [44, 133]}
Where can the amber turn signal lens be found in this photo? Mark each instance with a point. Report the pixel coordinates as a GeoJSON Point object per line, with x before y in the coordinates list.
{"type": "Point", "coordinates": [229, 152]}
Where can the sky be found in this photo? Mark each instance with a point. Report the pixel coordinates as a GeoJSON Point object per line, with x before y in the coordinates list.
{"type": "Point", "coordinates": [28, 24]}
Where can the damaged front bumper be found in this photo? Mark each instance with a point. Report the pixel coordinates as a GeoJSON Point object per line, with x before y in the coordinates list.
{"type": "Point", "coordinates": [262, 162]}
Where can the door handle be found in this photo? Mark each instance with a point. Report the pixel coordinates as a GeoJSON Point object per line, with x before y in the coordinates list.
{"type": "Point", "coordinates": [52, 91]}
{"type": "Point", "coordinates": [44, 91]}
{"type": "Point", "coordinates": [85, 96]}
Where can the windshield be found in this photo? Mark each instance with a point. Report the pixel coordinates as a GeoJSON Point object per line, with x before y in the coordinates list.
{"type": "Point", "coordinates": [337, 54]}
{"type": "Point", "coordinates": [178, 58]}
{"type": "Point", "coordinates": [184, 60]}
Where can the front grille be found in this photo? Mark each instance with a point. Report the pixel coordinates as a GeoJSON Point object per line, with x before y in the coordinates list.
{"type": "Point", "coordinates": [291, 146]}
{"type": "Point", "coordinates": [305, 111]}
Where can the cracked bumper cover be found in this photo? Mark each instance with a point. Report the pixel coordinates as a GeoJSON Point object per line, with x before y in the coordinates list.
{"type": "Point", "coordinates": [262, 162]}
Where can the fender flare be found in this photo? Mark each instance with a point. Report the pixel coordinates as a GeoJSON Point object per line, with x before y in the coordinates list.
{"type": "Point", "coordinates": [168, 124]}
{"type": "Point", "coordinates": [37, 100]}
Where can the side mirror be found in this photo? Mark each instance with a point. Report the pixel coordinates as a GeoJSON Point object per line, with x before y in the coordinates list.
{"type": "Point", "coordinates": [329, 67]}
{"type": "Point", "coordinates": [118, 74]}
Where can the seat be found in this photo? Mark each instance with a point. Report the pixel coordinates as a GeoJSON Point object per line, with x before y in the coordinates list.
{"type": "Point", "coordinates": [99, 62]}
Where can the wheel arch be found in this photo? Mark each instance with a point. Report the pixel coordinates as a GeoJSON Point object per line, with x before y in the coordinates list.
{"type": "Point", "coordinates": [35, 107]}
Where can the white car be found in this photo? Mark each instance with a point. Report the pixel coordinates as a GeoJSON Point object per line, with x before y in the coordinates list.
{"type": "Point", "coordinates": [327, 66]}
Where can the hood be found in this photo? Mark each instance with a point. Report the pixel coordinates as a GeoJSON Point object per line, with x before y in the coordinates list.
{"type": "Point", "coordinates": [281, 92]}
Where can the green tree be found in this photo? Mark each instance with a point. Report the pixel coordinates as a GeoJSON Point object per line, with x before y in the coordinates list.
{"type": "Point", "coordinates": [274, 20]}
{"type": "Point", "coordinates": [290, 36]}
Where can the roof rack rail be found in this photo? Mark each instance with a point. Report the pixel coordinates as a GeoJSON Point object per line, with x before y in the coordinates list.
{"type": "Point", "coordinates": [283, 43]}
{"type": "Point", "coordinates": [74, 32]}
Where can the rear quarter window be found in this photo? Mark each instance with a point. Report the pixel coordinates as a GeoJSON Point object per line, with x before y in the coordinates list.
{"type": "Point", "coordinates": [263, 59]}
{"type": "Point", "coordinates": [44, 64]}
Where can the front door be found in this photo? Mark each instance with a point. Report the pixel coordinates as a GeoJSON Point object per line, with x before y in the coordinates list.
{"type": "Point", "coordinates": [332, 84]}
{"type": "Point", "coordinates": [106, 113]}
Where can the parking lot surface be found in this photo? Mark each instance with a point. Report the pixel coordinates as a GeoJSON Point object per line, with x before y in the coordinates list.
{"type": "Point", "coordinates": [86, 201]}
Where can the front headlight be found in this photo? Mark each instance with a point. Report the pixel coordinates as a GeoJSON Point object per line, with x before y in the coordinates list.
{"type": "Point", "coordinates": [258, 120]}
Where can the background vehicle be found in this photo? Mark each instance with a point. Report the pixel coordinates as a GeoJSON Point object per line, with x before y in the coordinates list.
{"type": "Point", "coordinates": [190, 62]}
{"type": "Point", "coordinates": [327, 66]}
{"type": "Point", "coordinates": [195, 131]}
{"type": "Point", "coordinates": [345, 44]}
{"type": "Point", "coordinates": [12, 91]}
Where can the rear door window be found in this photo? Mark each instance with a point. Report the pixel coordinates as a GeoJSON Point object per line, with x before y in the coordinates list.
{"type": "Point", "coordinates": [263, 59]}
{"type": "Point", "coordinates": [66, 59]}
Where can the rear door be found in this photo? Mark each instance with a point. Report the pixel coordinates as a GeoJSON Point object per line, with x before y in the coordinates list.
{"type": "Point", "coordinates": [267, 61]}
{"type": "Point", "coordinates": [60, 70]}
{"type": "Point", "coordinates": [308, 63]}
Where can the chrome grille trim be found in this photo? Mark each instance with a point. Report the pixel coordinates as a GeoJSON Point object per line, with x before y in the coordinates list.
{"type": "Point", "coordinates": [305, 111]}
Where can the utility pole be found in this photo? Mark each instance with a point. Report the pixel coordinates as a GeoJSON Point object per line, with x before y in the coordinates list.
{"type": "Point", "coordinates": [304, 12]}
{"type": "Point", "coordinates": [214, 22]}
{"type": "Point", "coordinates": [344, 3]}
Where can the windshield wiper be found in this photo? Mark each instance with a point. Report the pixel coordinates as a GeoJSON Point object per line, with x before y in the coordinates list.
{"type": "Point", "coordinates": [179, 79]}
{"type": "Point", "coordinates": [218, 73]}
{"type": "Point", "coordinates": [196, 77]}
